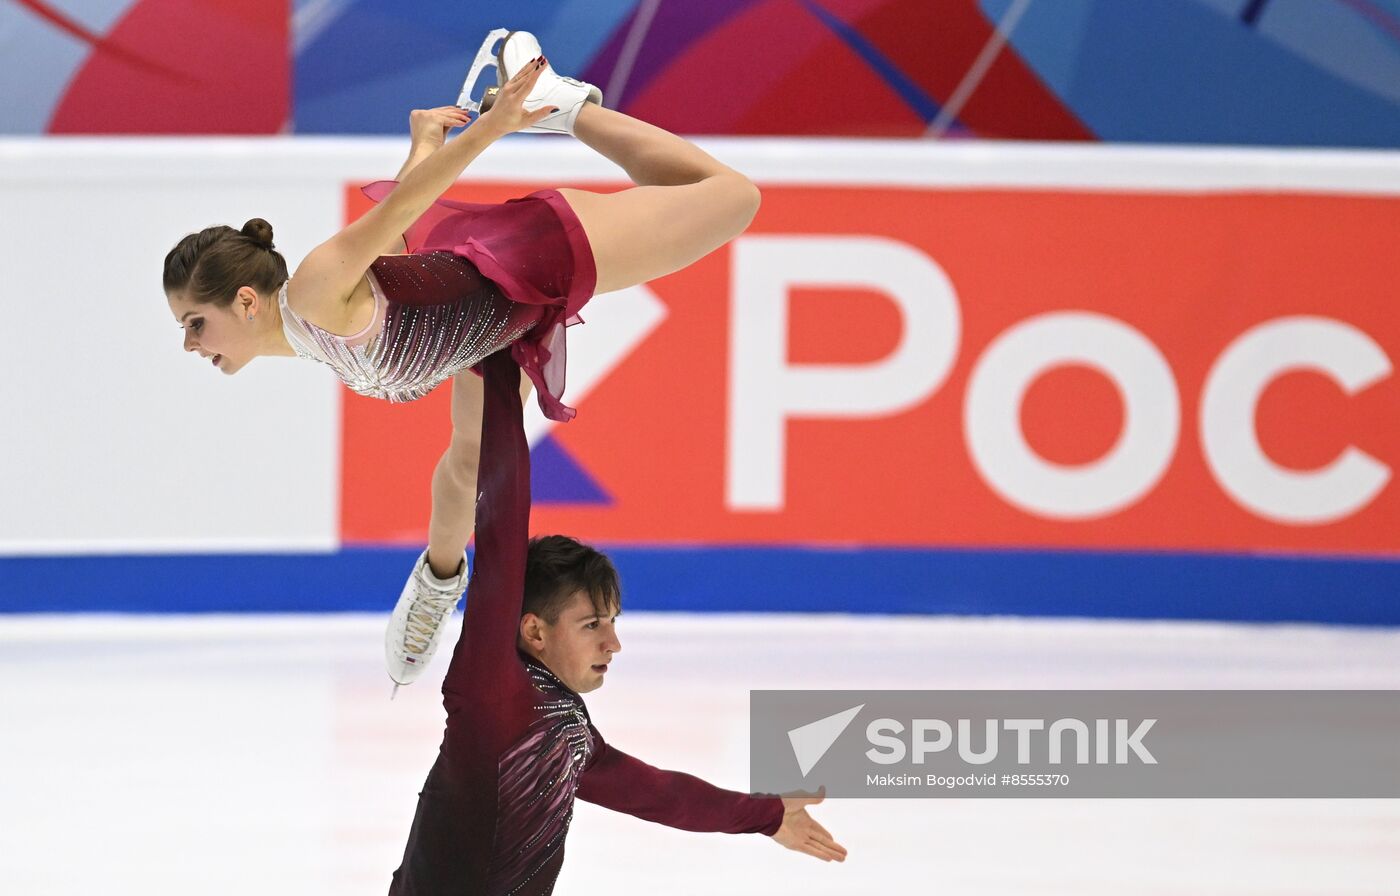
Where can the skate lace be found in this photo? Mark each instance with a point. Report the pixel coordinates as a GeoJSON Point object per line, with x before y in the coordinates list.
{"type": "Point", "coordinates": [425, 615]}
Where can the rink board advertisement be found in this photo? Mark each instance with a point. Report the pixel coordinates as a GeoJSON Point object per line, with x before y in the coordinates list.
{"type": "Point", "coordinates": [934, 368]}
{"type": "Point", "coordinates": [1045, 371]}
{"type": "Point", "coordinates": [977, 391]}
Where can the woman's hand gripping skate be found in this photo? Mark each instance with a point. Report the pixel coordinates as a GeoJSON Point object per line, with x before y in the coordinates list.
{"type": "Point", "coordinates": [508, 113]}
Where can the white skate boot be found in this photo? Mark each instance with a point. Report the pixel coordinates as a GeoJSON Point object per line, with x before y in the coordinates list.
{"type": "Point", "coordinates": [418, 621]}
{"type": "Point", "coordinates": [517, 48]}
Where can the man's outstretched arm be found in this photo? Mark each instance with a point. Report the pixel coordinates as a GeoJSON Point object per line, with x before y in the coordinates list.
{"type": "Point", "coordinates": [623, 783]}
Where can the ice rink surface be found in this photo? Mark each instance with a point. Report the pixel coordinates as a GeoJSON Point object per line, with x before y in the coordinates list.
{"type": "Point", "coordinates": [239, 754]}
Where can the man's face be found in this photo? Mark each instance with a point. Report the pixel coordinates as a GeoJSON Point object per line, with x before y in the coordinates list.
{"type": "Point", "coordinates": [578, 647]}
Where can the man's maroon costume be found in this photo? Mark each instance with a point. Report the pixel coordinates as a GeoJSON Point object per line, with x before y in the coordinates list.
{"type": "Point", "coordinates": [519, 745]}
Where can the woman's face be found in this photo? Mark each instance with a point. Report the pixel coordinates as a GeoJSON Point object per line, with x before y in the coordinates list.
{"type": "Point", "coordinates": [223, 335]}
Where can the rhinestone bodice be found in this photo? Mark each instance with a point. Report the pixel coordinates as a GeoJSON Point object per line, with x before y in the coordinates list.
{"type": "Point", "coordinates": [539, 777]}
{"type": "Point", "coordinates": [440, 316]}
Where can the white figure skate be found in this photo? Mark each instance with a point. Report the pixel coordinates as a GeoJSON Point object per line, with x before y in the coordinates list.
{"type": "Point", "coordinates": [418, 621]}
{"type": "Point", "coordinates": [515, 50]}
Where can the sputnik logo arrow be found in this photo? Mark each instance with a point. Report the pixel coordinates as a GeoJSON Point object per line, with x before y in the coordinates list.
{"type": "Point", "coordinates": [811, 741]}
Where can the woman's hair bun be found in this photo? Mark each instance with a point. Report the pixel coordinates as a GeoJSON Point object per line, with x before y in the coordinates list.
{"type": "Point", "coordinates": [259, 231]}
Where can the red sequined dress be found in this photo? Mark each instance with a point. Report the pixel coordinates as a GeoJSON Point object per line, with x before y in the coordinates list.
{"type": "Point", "coordinates": [478, 278]}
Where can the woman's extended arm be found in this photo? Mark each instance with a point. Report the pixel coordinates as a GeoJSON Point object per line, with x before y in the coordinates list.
{"type": "Point", "coordinates": [331, 271]}
{"type": "Point", "coordinates": [427, 131]}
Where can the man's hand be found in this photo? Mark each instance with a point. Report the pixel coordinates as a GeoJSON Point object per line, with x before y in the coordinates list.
{"type": "Point", "coordinates": [802, 833]}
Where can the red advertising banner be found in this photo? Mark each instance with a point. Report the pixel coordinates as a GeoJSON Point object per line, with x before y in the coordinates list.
{"type": "Point", "coordinates": [974, 367]}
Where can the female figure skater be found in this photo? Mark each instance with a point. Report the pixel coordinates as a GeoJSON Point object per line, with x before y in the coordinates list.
{"type": "Point", "coordinates": [476, 279]}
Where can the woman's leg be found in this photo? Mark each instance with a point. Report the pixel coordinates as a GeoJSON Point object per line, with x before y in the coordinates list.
{"type": "Point", "coordinates": [685, 206]}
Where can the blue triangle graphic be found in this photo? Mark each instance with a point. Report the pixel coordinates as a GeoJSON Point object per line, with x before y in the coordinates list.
{"type": "Point", "coordinates": [905, 87]}
{"type": "Point", "coordinates": [556, 478]}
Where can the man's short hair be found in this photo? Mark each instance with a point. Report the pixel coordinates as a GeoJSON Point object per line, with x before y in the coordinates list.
{"type": "Point", "coordinates": [557, 566]}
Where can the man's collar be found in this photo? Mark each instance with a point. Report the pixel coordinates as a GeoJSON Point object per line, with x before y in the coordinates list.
{"type": "Point", "coordinates": [533, 663]}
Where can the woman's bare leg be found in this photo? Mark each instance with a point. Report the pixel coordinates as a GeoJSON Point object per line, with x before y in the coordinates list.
{"type": "Point", "coordinates": [650, 155]}
{"type": "Point", "coordinates": [686, 204]}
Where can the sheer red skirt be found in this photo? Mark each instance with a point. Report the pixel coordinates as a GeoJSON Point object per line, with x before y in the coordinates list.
{"type": "Point", "coordinates": [534, 248]}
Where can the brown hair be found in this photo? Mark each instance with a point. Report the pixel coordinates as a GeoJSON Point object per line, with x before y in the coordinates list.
{"type": "Point", "coordinates": [211, 265]}
{"type": "Point", "coordinates": [557, 566]}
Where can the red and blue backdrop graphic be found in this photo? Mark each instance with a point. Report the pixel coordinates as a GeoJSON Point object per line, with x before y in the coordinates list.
{"type": "Point", "coordinates": [1323, 73]}
{"type": "Point", "coordinates": [145, 66]}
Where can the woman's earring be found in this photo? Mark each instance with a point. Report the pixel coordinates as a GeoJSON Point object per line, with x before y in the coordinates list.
{"type": "Point", "coordinates": [250, 317]}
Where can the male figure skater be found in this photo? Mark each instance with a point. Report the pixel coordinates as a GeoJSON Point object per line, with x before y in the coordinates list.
{"type": "Point", "coordinates": [519, 745]}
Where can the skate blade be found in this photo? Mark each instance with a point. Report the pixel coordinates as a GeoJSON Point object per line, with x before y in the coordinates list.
{"type": "Point", "coordinates": [485, 57]}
